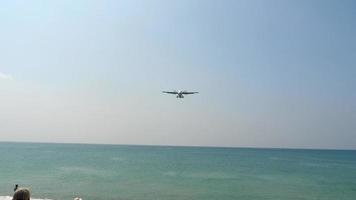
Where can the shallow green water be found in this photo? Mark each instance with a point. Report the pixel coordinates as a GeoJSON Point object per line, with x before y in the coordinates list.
{"type": "Point", "coordinates": [63, 171]}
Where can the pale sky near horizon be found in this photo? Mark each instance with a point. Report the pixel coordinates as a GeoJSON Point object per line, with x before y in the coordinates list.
{"type": "Point", "coordinates": [270, 73]}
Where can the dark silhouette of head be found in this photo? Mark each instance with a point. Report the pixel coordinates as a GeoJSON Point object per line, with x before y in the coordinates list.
{"type": "Point", "coordinates": [21, 194]}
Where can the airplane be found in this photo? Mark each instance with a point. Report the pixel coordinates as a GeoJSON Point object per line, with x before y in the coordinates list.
{"type": "Point", "coordinates": [179, 93]}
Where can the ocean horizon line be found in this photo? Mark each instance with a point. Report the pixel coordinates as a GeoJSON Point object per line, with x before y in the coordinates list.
{"type": "Point", "coordinates": [182, 146]}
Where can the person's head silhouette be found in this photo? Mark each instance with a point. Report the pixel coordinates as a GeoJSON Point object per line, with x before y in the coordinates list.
{"type": "Point", "coordinates": [21, 194]}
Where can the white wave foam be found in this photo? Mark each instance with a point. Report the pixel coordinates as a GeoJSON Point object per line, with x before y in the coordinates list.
{"type": "Point", "coordinates": [10, 198]}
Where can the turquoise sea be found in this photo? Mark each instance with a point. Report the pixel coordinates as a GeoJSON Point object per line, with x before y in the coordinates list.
{"type": "Point", "coordinates": [105, 172]}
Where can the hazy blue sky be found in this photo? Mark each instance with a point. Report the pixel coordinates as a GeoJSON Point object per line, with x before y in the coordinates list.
{"type": "Point", "coordinates": [273, 73]}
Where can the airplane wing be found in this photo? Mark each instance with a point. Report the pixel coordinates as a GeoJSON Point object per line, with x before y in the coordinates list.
{"type": "Point", "coordinates": [170, 92]}
{"type": "Point", "coordinates": [185, 92]}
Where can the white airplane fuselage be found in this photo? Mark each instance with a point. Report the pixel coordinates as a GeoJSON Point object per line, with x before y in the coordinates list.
{"type": "Point", "coordinates": [180, 95]}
